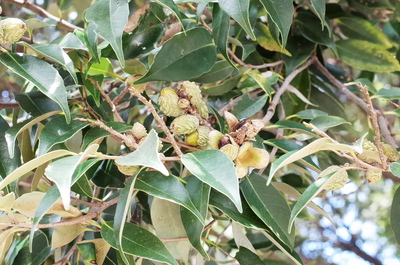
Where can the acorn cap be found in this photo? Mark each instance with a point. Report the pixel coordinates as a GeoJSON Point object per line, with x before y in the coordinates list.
{"type": "Point", "coordinates": [373, 176]}
{"type": "Point", "coordinates": [11, 30]}
{"type": "Point", "coordinates": [390, 152]}
{"type": "Point", "coordinates": [139, 131]}
{"type": "Point", "coordinates": [337, 180]}
{"type": "Point", "coordinates": [168, 102]}
{"type": "Point", "coordinates": [185, 124]}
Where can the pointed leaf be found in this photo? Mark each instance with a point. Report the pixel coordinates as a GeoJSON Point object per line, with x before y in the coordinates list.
{"type": "Point", "coordinates": [239, 11]}
{"type": "Point", "coordinates": [289, 253]}
{"type": "Point", "coordinates": [217, 170]}
{"type": "Point", "coordinates": [139, 242]}
{"type": "Point", "coordinates": [54, 53]}
{"type": "Point", "coordinates": [269, 205]}
{"type": "Point", "coordinates": [281, 13]}
{"type": "Point", "coordinates": [293, 125]}
{"type": "Point", "coordinates": [58, 131]}
{"type": "Point", "coordinates": [146, 155]}
{"type": "Point", "coordinates": [183, 57]}
{"type": "Point", "coordinates": [265, 39]}
{"type": "Point", "coordinates": [247, 107]}
{"type": "Point", "coordinates": [35, 103]}
{"type": "Point", "coordinates": [326, 122]}
{"type": "Point", "coordinates": [172, 7]}
{"type": "Point", "coordinates": [309, 114]}
{"type": "Point", "coordinates": [41, 74]}
{"type": "Point", "coordinates": [247, 257]}
{"type": "Point", "coordinates": [366, 56]}
{"type": "Point", "coordinates": [108, 19]}
{"type": "Point", "coordinates": [7, 163]}
{"type": "Point", "coordinates": [263, 82]}
{"type": "Point", "coordinates": [168, 188]}
{"type": "Point", "coordinates": [320, 9]}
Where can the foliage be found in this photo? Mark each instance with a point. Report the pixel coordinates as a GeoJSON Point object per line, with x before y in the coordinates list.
{"type": "Point", "coordinates": [191, 131]}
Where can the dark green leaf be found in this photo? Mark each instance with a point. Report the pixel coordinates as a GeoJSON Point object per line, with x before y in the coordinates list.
{"type": "Point", "coordinates": [83, 187]}
{"type": "Point", "coordinates": [247, 107]}
{"type": "Point", "coordinates": [219, 71]}
{"type": "Point", "coordinates": [88, 252]}
{"type": "Point", "coordinates": [199, 193]}
{"type": "Point", "coordinates": [223, 88]}
{"type": "Point", "coordinates": [183, 57]}
{"type": "Point", "coordinates": [247, 257]}
{"type": "Point", "coordinates": [395, 215]}
{"type": "Point", "coordinates": [366, 56]}
{"type": "Point", "coordinates": [269, 205]}
{"type": "Point", "coordinates": [285, 124]}
{"type": "Point", "coordinates": [239, 11]}
{"type": "Point", "coordinates": [171, 6]}
{"type": "Point", "coordinates": [217, 170]}
{"type": "Point", "coordinates": [40, 251]}
{"type": "Point", "coordinates": [7, 163]}
{"type": "Point", "coordinates": [320, 9]}
{"type": "Point", "coordinates": [89, 38]}
{"type": "Point", "coordinates": [35, 103]}
{"type": "Point", "coordinates": [300, 48]}
{"type": "Point", "coordinates": [281, 13]}
{"type": "Point", "coordinates": [168, 188]}
{"type": "Point", "coordinates": [108, 19]}
{"type": "Point", "coordinates": [139, 242]}
{"type": "Point", "coordinates": [41, 74]}
{"type": "Point", "coordinates": [58, 131]}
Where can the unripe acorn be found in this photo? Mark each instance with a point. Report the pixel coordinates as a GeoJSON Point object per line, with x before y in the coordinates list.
{"type": "Point", "coordinates": [127, 169]}
{"type": "Point", "coordinates": [11, 30]}
{"type": "Point", "coordinates": [373, 176]}
{"type": "Point", "coordinates": [193, 93]}
{"type": "Point", "coordinates": [336, 181]}
{"type": "Point", "coordinates": [168, 102]}
{"type": "Point", "coordinates": [370, 152]}
{"type": "Point", "coordinates": [139, 131]}
{"type": "Point", "coordinates": [185, 124]}
{"type": "Point", "coordinates": [390, 152]}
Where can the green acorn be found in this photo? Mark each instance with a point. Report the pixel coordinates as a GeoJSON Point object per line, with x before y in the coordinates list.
{"type": "Point", "coordinates": [336, 181]}
{"type": "Point", "coordinates": [373, 176]}
{"type": "Point", "coordinates": [370, 152]}
{"type": "Point", "coordinates": [390, 152]}
{"type": "Point", "coordinates": [139, 131]}
{"type": "Point", "coordinates": [185, 124]}
{"type": "Point", "coordinates": [11, 30]}
{"type": "Point", "coordinates": [168, 102]}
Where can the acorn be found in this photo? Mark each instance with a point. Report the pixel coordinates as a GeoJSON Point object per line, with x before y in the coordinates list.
{"type": "Point", "coordinates": [11, 30]}
{"type": "Point", "coordinates": [370, 152]}
{"type": "Point", "coordinates": [336, 181]}
{"type": "Point", "coordinates": [139, 131]}
{"type": "Point", "coordinates": [168, 102]}
{"type": "Point", "coordinates": [199, 137]}
{"type": "Point", "coordinates": [390, 152]}
{"type": "Point", "coordinates": [127, 169]}
{"type": "Point", "coordinates": [185, 124]}
{"type": "Point", "coordinates": [192, 92]}
{"type": "Point", "coordinates": [373, 176]}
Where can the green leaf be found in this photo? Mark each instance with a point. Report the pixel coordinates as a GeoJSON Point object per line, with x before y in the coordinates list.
{"type": "Point", "coordinates": [83, 187]}
{"type": "Point", "coordinates": [289, 253]}
{"type": "Point", "coordinates": [88, 252]}
{"type": "Point", "coordinates": [13, 132]}
{"type": "Point", "coordinates": [366, 56]}
{"type": "Point", "coordinates": [269, 205]}
{"type": "Point", "coordinates": [168, 188]}
{"type": "Point", "coordinates": [239, 11]}
{"type": "Point", "coordinates": [199, 193]}
{"type": "Point", "coordinates": [34, 23]}
{"type": "Point", "coordinates": [96, 133]}
{"type": "Point", "coordinates": [54, 53]}
{"type": "Point", "coordinates": [246, 218]}
{"type": "Point", "coordinates": [247, 257]}
{"type": "Point", "coordinates": [395, 215]}
{"type": "Point", "coordinates": [285, 124]}
{"type": "Point", "coordinates": [320, 9]}
{"type": "Point", "coordinates": [313, 190]}
{"type": "Point", "coordinates": [36, 103]}
{"type": "Point", "coordinates": [219, 71]}
{"type": "Point", "coordinates": [40, 252]}
{"type": "Point", "coordinates": [104, 67]}
{"type": "Point", "coordinates": [89, 38]}
{"type": "Point", "coordinates": [281, 13]}
{"type": "Point", "coordinates": [263, 82]}
{"type": "Point", "coordinates": [183, 57]}
{"type": "Point", "coordinates": [64, 4]}
{"type": "Point", "coordinates": [67, 166]}
{"type": "Point", "coordinates": [223, 88]}
{"type": "Point", "coordinates": [139, 242]}
{"type": "Point", "coordinates": [58, 131]}
{"type": "Point", "coordinates": [217, 170]}
{"type": "Point", "coordinates": [41, 74]}
{"type": "Point", "coordinates": [265, 39]}
{"type": "Point", "coordinates": [247, 107]}
{"type": "Point", "coordinates": [395, 169]}
{"type": "Point", "coordinates": [360, 29]}
{"type": "Point", "coordinates": [108, 19]}
{"type": "Point", "coordinates": [389, 93]}
{"type": "Point", "coordinates": [69, 41]}
{"type": "Point", "coordinates": [301, 49]}
{"type": "Point", "coordinates": [146, 155]}
{"type": "Point", "coordinates": [326, 122]}
{"type": "Point", "coordinates": [309, 114]}
{"type": "Point", "coordinates": [7, 163]}
{"type": "Point", "coordinates": [221, 25]}
{"type": "Point", "coordinates": [172, 7]}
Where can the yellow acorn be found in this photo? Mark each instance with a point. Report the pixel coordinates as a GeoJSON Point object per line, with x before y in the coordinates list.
{"type": "Point", "coordinates": [390, 152]}
{"type": "Point", "coordinates": [11, 30]}
{"type": "Point", "coordinates": [336, 181]}
{"type": "Point", "coordinates": [192, 138]}
{"type": "Point", "coordinates": [127, 169]}
{"type": "Point", "coordinates": [168, 102]}
{"type": "Point", "coordinates": [185, 124]}
{"type": "Point", "coordinates": [373, 176]}
{"type": "Point", "coordinates": [199, 137]}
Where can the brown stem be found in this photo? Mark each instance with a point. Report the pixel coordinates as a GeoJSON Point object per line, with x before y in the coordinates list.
{"type": "Point", "coordinates": [7, 105]}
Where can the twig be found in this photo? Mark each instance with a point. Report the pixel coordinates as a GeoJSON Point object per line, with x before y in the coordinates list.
{"type": "Point", "coordinates": [159, 120]}
{"type": "Point", "coordinates": [43, 13]}
{"type": "Point", "coordinates": [67, 256]}
{"type": "Point", "coordinates": [277, 97]}
{"type": "Point", "coordinates": [374, 118]}
{"type": "Point", "coordinates": [384, 127]}
{"type": "Point", "coordinates": [128, 141]}
{"type": "Point", "coordinates": [9, 105]}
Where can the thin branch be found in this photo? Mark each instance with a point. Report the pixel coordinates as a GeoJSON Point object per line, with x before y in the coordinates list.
{"type": "Point", "coordinates": [43, 13]}
{"type": "Point", "coordinates": [9, 105]}
{"type": "Point", "coordinates": [277, 97]}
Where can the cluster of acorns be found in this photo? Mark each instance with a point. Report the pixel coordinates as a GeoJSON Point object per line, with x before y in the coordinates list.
{"type": "Point", "coordinates": [369, 155]}
{"type": "Point", "coordinates": [11, 30]}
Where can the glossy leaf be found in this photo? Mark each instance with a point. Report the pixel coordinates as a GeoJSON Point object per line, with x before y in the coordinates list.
{"type": "Point", "coordinates": [41, 250]}
{"type": "Point", "coordinates": [88, 252]}
{"type": "Point", "coordinates": [300, 49]}
{"type": "Point", "coordinates": [146, 155]}
{"type": "Point", "coordinates": [217, 170]}
{"type": "Point", "coordinates": [139, 242]}
{"type": "Point", "coordinates": [220, 32]}
{"type": "Point", "coordinates": [56, 54]}
{"type": "Point", "coordinates": [281, 13]}
{"type": "Point", "coordinates": [239, 11]}
{"type": "Point", "coordinates": [247, 107]}
{"type": "Point", "coordinates": [269, 205]}
{"type": "Point", "coordinates": [395, 215]}
{"type": "Point", "coordinates": [183, 57]}
{"type": "Point", "coordinates": [199, 193]}
{"type": "Point", "coordinates": [69, 41]}
{"type": "Point", "coordinates": [265, 39]}
{"type": "Point", "coordinates": [247, 257]}
{"type": "Point", "coordinates": [286, 124]}
{"type": "Point", "coordinates": [108, 19]}
{"type": "Point", "coordinates": [36, 103]}
{"type": "Point", "coordinates": [320, 9]}
{"type": "Point", "coordinates": [326, 122]}
{"type": "Point", "coordinates": [263, 82]}
{"type": "Point", "coordinates": [172, 7]}
{"type": "Point", "coordinates": [366, 56]}
{"type": "Point", "coordinates": [101, 249]}
{"type": "Point", "coordinates": [289, 253]}
{"type": "Point", "coordinates": [7, 163]}
{"type": "Point", "coordinates": [41, 74]}
{"type": "Point", "coordinates": [168, 188]}
{"type": "Point", "coordinates": [58, 131]}
{"type": "Point", "coordinates": [219, 71]}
